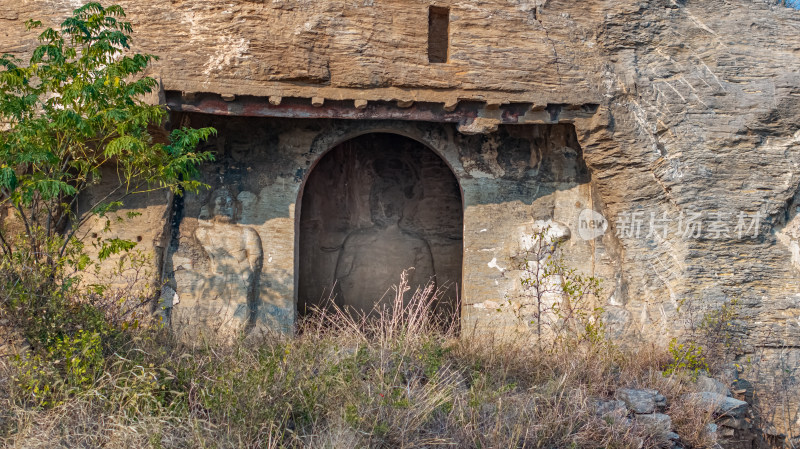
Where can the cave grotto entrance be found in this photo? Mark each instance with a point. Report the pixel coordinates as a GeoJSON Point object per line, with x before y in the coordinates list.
{"type": "Point", "coordinates": [371, 207]}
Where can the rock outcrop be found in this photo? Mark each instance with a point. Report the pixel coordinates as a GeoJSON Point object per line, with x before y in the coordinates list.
{"type": "Point", "coordinates": [732, 426]}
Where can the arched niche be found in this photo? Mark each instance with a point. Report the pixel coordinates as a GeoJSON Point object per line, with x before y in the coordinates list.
{"type": "Point", "coordinates": [370, 207]}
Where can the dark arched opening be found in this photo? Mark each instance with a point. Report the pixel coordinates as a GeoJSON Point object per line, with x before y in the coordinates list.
{"type": "Point", "coordinates": [371, 207]}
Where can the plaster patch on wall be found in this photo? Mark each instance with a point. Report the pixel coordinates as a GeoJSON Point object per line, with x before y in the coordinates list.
{"type": "Point", "coordinates": [479, 174]}
{"type": "Point", "coordinates": [490, 305]}
{"type": "Point", "coordinates": [493, 264]}
{"type": "Point", "coordinates": [552, 231]}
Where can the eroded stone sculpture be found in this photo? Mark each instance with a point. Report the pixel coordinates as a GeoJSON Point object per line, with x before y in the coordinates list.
{"type": "Point", "coordinates": [236, 257]}
{"type": "Point", "coordinates": [373, 258]}
{"type": "Point", "coordinates": [374, 206]}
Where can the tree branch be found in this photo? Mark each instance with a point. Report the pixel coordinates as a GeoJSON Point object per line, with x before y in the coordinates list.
{"type": "Point", "coordinates": [7, 251]}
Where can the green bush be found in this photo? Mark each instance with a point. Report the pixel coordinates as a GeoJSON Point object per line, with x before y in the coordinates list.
{"type": "Point", "coordinates": [688, 356]}
{"type": "Point", "coordinates": [70, 365]}
{"type": "Point", "coordinates": [713, 338]}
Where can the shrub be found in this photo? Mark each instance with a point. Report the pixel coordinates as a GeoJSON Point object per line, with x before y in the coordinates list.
{"type": "Point", "coordinates": [687, 356]}
{"type": "Point", "coordinates": [67, 366]}
{"type": "Point", "coordinates": [562, 296]}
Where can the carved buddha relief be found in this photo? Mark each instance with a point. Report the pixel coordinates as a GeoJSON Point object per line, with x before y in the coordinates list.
{"type": "Point", "coordinates": [372, 258]}
{"type": "Point", "coordinates": [373, 207]}
{"type": "Point", "coordinates": [235, 256]}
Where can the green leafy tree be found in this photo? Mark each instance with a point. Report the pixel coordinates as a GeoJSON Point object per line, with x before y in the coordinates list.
{"type": "Point", "coordinates": [75, 109]}
{"type": "Point", "coordinates": [74, 112]}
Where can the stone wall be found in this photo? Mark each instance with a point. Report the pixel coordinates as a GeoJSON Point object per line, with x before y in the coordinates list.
{"type": "Point", "coordinates": [251, 265]}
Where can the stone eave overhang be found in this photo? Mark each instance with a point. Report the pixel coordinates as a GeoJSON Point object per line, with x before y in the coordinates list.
{"type": "Point", "coordinates": [472, 116]}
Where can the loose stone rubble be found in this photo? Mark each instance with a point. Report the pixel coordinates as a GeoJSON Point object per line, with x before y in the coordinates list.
{"type": "Point", "coordinates": [642, 401]}
{"type": "Point", "coordinates": [732, 427]}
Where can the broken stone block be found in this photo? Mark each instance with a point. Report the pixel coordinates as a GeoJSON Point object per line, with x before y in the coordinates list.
{"type": "Point", "coordinates": [712, 385]}
{"type": "Point", "coordinates": [722, 405]}
{"type": "Point", "coordinates": [642, 401]}
{"type": "Point", "coordinates": [655, 421]}
{"type": "Point", "coordinates": [450, 105]}
{"type": "Point", "coordinates": [480, 125]}
{"type": "Point", "coordinates": [744, 390]}
{"type": "Point", "coordinates": [614, 409]}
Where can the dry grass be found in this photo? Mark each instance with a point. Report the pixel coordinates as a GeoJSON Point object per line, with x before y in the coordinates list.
{"type": "Point", "coordinates": [398, 380]}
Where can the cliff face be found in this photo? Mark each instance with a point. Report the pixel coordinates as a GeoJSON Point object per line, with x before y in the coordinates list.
{"type": "Point", "coordinates": [694, 149]}
{"type": "Point", "coordinates": [337, 49]}
{"type": "Point", "coordinates": [702, 120]}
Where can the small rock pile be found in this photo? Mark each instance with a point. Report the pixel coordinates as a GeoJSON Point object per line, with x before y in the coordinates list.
{"type": "Point", "coordinates": [732, 428]}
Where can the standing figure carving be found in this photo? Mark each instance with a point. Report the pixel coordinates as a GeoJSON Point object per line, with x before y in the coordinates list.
{"type": "Point", "coordinates": [372, 259]}
{"type": "Point", "coordinates": [230, 288]}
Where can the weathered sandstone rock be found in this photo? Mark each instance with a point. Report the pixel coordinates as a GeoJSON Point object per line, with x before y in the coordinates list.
{"type": "Point", "coordinates": [642, 401]}
{"type": "Point", "coordinates": [705, 383]}
{"type": "Point", "coordinates": [722, 405]}
{"type": "Point", "coordinates": [656, 421]}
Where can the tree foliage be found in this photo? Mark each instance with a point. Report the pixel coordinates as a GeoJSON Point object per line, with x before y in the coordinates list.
{"type": "Point", "coordinates": [74, 109]}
